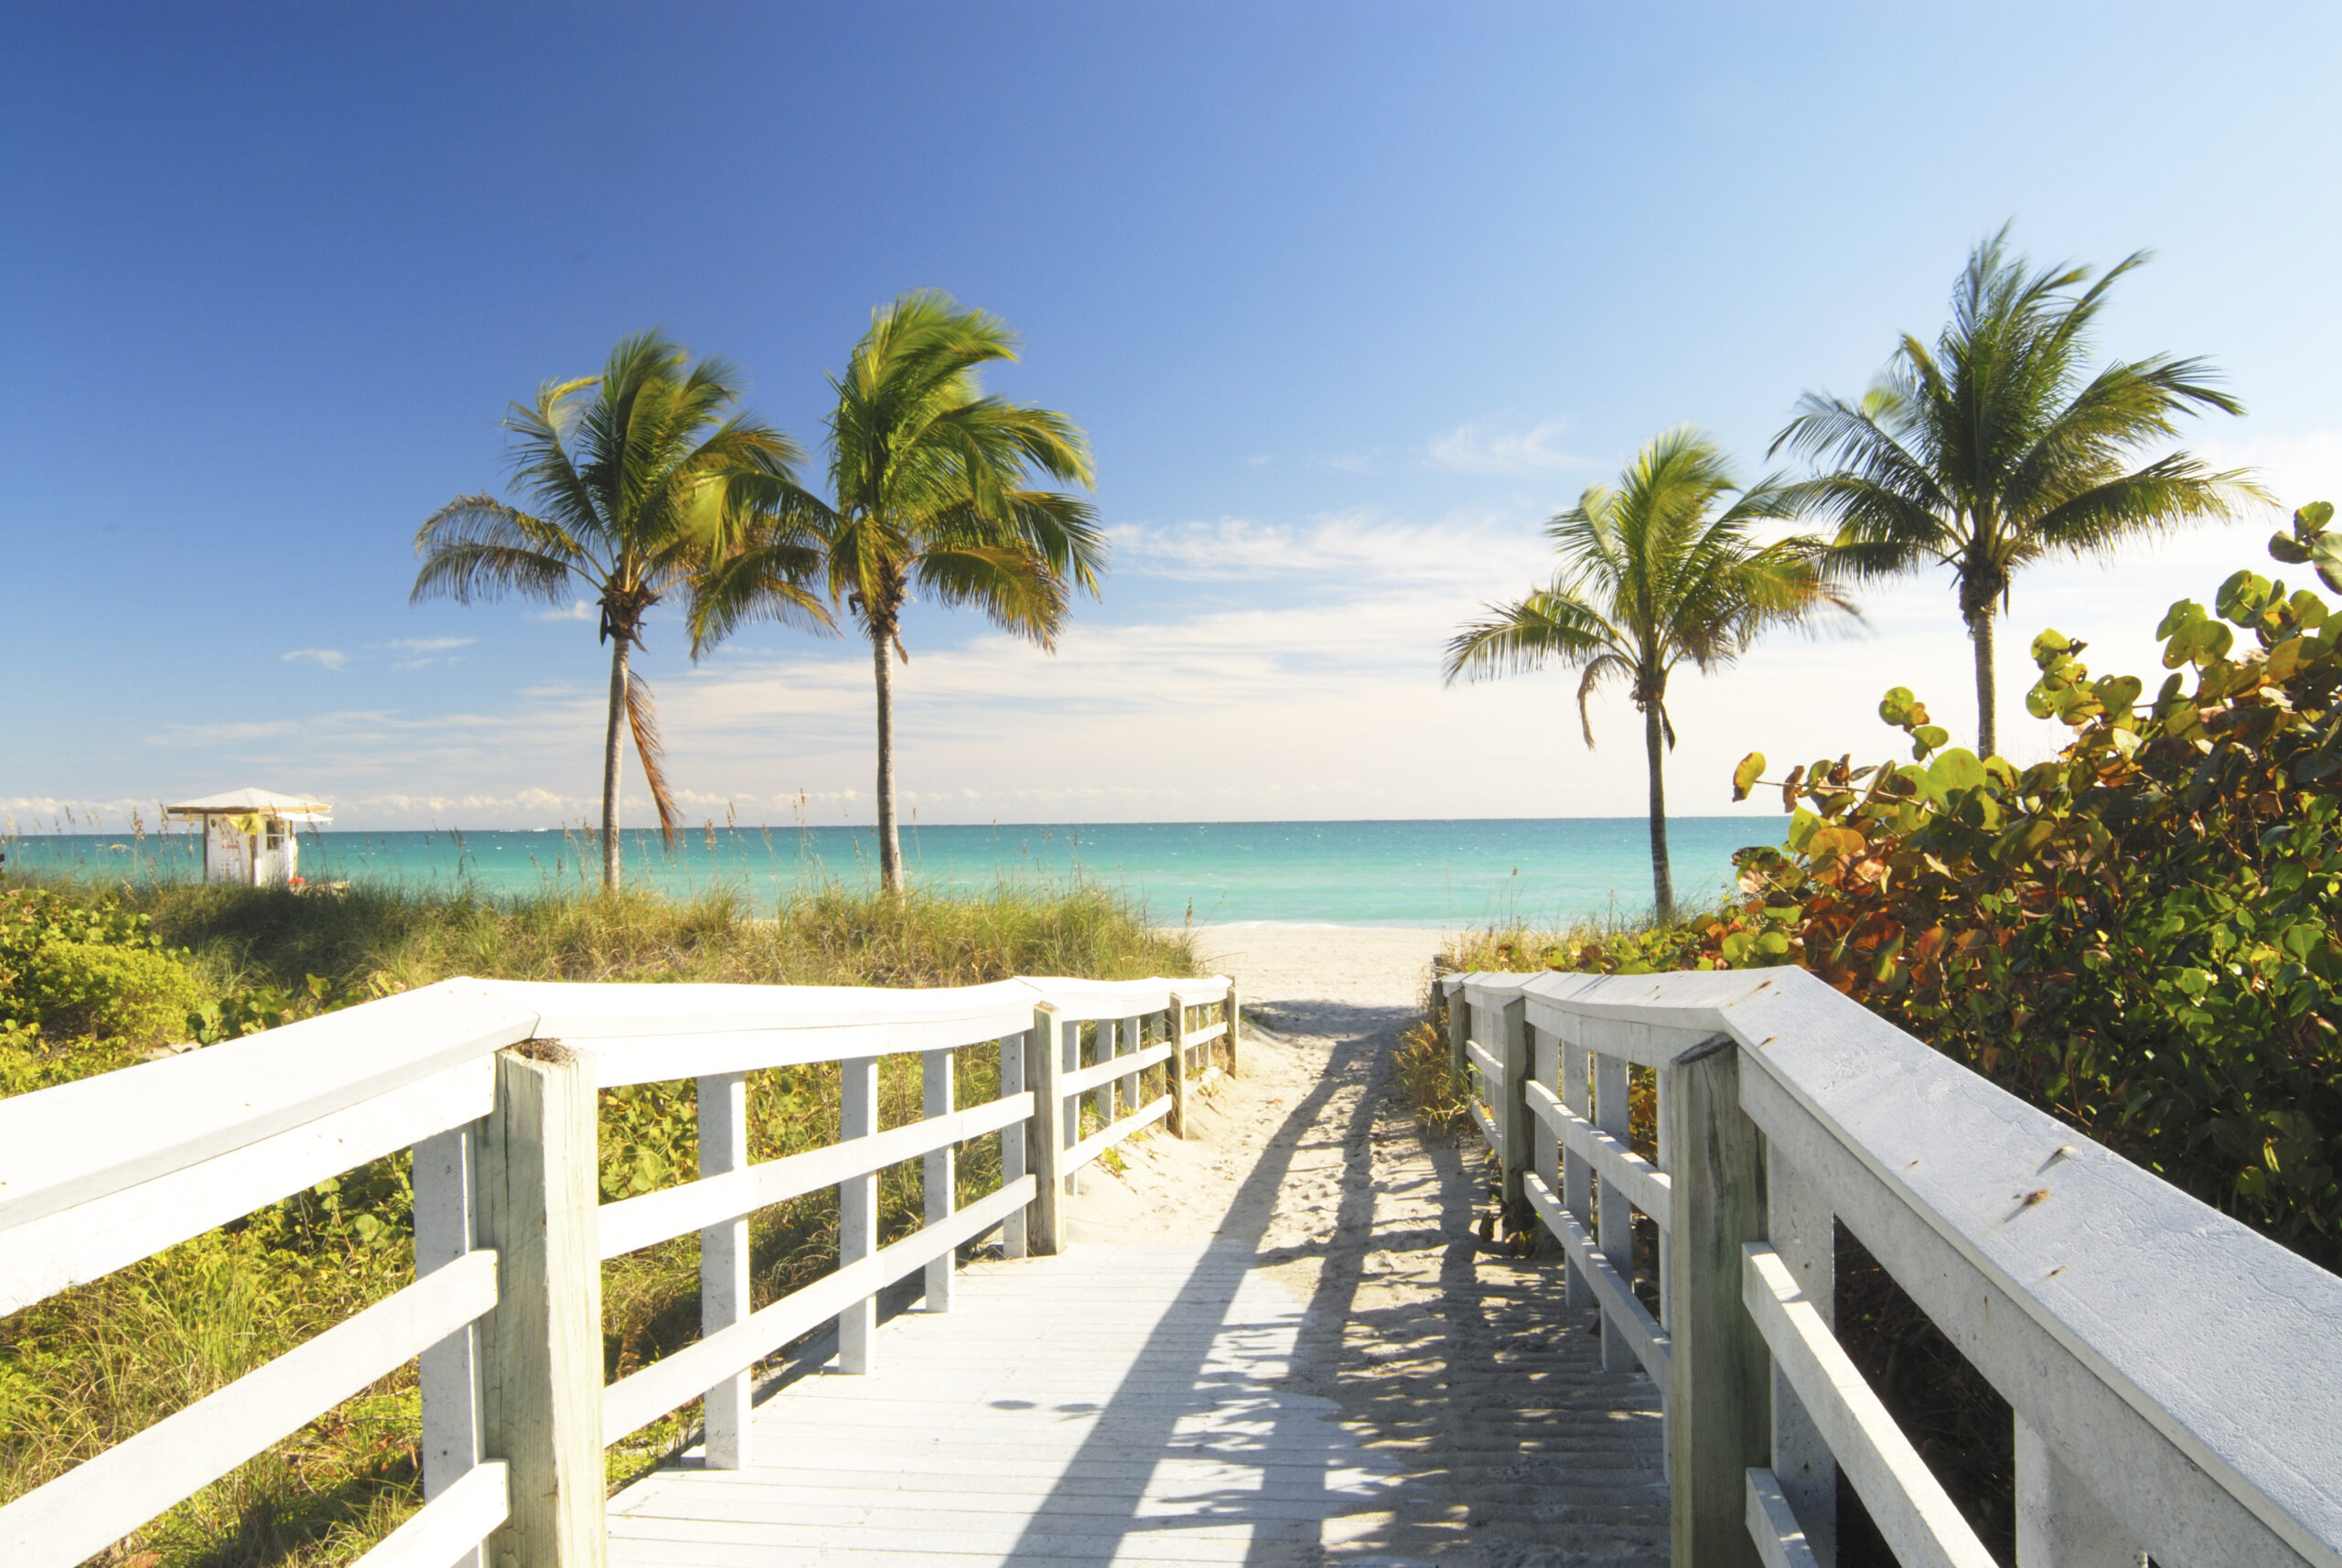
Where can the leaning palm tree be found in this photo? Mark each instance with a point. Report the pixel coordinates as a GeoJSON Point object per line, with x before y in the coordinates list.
{"type": "Point", "coordinates": [632, 483]}
{"type": "Point", "coordinates": [930, 483]}
{"type": "Point", "coordinates": [1653, 575]}
{"type": "Point", "coordinates": [1999, 447]}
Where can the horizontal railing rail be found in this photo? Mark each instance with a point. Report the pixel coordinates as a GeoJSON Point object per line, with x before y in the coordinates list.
{"type": "Point", "coordinates": [2176, 1377]}
{"type": "Point", "coordinates": [492, 1085]}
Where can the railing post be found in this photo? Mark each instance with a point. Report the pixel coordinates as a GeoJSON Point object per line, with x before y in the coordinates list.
{"type": "Point", "coordinates": [1134, 1037]}
{"type": "Point", "coordinates": [1614, 1115]}
{"type": "Point", "coordinates": [540, 1394]}
{"type": "Point", "coordinates": [1045, 1060]}
{"type": "Point", "coordinates": [724, 1263]}
{"type": "Point", "coordinates": [1512, 1107]}
{"type": "Point", "coordinates": [1176, 1016]}
{"type": "Point", "coordinates": [1069, 1060]}
{"type": "Point", "coordinates": [1718, 1421]}
{"type": "Point", "coordinates": [938, 1176]}
{"type": "Point", "coordinates": [1110, 1046]}
{"type": "Point", "coordinates": [1013, 1139]}
{"type": "Point", "coordinates": [1459, 1023]}
{"type": "Point", "coordinates": [857, 1210]}
{"type": "Point", "coordinates": [1234, 1014]}
{"type": "Point", "coordinates": [1545, 1062]}
{"type": "Point", "coordinates": [1577, 1176]}
{"type": "Point", "coordinates": [1802, 1229]}
{"type": "Point", "coordinates": [446, 1166]}
{"type": "Point", "coordinates": [2060, 1523]}
{"type": "Point", "coordinates": [1664, 1137]}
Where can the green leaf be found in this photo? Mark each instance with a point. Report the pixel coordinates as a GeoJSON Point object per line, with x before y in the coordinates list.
{"type": "Point", "coordinates": [2243, 597]}
{"type": "Point", "coordinates": [1895, 704]}
{"type": "Point", "coordinates": [2284, 547]}
{"type": "Point", "coordinates": [2120, 693]}
{"type": "Point", "coordinates": [1957, 768]}
{"type": "Point", "coordinates": [1745, 776]}
{"type": "Point", "coordinates": [1801, 825]}
{"type": "Point", "coordinates": [1928, 738]}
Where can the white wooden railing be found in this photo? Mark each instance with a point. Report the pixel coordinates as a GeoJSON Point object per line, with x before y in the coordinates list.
{"type": "Point", "coordinates": [2177, 1378]}
{"type": "Point", "coordinates": [492, 1085]}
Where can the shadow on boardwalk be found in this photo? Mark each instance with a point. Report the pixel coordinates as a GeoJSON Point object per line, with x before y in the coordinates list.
{"type": "Point", "coordinates": [1491, 1431]}
{"type": "Point", "coordinates": [1344, 1373]}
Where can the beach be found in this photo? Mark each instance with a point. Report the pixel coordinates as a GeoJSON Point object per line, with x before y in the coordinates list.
{"type": "Point", "coordinates": [1373, 967]}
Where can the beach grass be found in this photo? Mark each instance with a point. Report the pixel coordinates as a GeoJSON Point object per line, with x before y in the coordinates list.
{"type": "Point", "coordinates": [88, 1368]}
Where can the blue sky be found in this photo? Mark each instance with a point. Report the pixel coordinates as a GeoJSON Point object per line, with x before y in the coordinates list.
{"type": "Point", "coordinates": [1350, 298]}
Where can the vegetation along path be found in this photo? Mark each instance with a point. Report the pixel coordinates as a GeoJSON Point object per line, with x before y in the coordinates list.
{"type": "Point", "coordinates": [1281, 1341]}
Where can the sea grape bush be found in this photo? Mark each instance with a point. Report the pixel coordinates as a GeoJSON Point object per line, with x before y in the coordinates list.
{"type": "Point", "coordinates": [71, 971]}
{"type": "Point", "coordinates": [2138, 935]}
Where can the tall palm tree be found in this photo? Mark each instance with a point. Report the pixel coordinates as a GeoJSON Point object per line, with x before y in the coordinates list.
{"type": "Point", "coordinates": [931, 480]}
{"type": "Point", "coordinates": [633, 482]}
{"type": "Point", "coordinates": [1999, 447]}
{"type": "Point", "coordinates": [1653, 575]}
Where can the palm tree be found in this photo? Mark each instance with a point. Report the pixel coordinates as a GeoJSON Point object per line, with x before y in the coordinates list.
{"type": "Point", "coordinates": [1652, 574]}
{"type": "Point", "coordinates": [929, 478]}
{"type": "Point", "coordinates": [1999, 448]}
{"type": "Point", "coordinates": [635, 482]}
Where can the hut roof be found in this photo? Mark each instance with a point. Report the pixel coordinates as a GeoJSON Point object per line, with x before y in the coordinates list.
{"type": "Point", "coordinates": [240, 802]}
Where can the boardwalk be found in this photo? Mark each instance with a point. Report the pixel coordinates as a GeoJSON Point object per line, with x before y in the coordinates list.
{"type": "Point", "coordinates": [1275, 1338]}
{"type": "Point", "coordinates": [1342, 1374]}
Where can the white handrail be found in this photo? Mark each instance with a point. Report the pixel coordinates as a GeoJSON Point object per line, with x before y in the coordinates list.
{"type": "Point", "coordinates": [2181, 1372]}
{"type": "Point", "coordinates": [98, 1173]}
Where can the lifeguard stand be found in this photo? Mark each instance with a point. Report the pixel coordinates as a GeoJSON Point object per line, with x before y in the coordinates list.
{"type": "Point", "coordinates": [249, 836]}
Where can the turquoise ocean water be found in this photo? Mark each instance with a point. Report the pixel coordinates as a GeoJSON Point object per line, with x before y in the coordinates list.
{"type": "Point", "coordinates": [1441, 873]}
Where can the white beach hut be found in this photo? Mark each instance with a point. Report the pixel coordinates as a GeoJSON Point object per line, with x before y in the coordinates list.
{"type": "Point", "coordinates": [249, 836]}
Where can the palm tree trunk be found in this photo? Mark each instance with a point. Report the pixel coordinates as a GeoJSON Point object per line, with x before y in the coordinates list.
{"type": "Point", "coordinates": [612, 751]}
{"type": "Point", "coordinates": [1662, 877]}
{"type": "Point", "coordinates": [1979, 634]}
{"type": "Point", "coordinates": [890, 849]}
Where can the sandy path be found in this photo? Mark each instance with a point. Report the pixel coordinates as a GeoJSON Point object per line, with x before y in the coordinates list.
{"type": "Point", "coordinates": [1462, 1363]}
{"type": "Point", "coordinates": [1353, 966]}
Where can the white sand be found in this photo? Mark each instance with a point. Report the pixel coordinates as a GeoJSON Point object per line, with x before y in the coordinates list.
{"type": "Point", "coordinates": [1357, 966]}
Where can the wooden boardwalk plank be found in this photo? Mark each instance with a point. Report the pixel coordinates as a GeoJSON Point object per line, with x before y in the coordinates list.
{"type": "Point", "coordinates": [1112, 1404]}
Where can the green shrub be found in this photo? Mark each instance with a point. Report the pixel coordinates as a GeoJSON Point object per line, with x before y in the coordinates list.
{"type": "Point", "coordinates": [2140, 934]}
{"type": "Point", "coordinates": [71, 971]}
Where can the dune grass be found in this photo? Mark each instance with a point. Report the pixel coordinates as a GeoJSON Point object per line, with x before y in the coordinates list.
{"type": "Point", "coordinates": [90, 1367]}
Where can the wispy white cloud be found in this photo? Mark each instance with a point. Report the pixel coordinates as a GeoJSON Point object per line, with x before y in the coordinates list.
{"type": "Point", "coordinates": [430, 644]}
{"type": "Point", "coordinates": [579, 609]}
{"type": "Point", "coordinates": [1479, 449]}
{"type": "Point", "coordinates": [1336, 553]}
{"type": "Point", "coordinates": [326, 657]}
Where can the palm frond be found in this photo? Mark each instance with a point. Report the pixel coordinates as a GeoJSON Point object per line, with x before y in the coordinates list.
{"type": "Point", "coordinates": [1550, 626]}
{"type": "Point", "coordinates": [2153, 499]}
{"type": "Point", "coordinates": [1012, 584]}
{"type": "Point", "coordinates": [1596, 672]}
{"type": "Point", "coordinates": [477, 547]}
{"type": "Point", "coordinates": [643, 720]}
